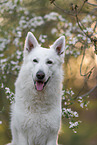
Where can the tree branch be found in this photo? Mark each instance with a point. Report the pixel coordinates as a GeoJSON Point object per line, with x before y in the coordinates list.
{"type": "Point", "coordinates": [82, 6]}
{"type": "Point", "coordinates": [89, 92]}
{"type": "Point", "coordinates": [88, 73]}
{"type": "Point", "coordinates": [91, 4]}
{"type": "Point", "coordinates": [75, 14]}
{"type": "Point", "coordinates": [67, 12]}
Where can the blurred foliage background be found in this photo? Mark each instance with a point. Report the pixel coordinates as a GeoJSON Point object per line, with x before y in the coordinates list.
{"type": "Point", "coordinates": [48, 20]}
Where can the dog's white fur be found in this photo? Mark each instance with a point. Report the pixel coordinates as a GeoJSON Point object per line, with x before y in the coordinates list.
{"type": "Point", "coordinates": [36, 115]}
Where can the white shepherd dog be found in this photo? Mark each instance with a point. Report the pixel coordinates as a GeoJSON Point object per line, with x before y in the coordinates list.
{"type": "Point", "coordinates": [36, 113]}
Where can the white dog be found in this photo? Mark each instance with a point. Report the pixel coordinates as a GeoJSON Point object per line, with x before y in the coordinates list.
{"type": "Point", "coordinates": [36, 113]}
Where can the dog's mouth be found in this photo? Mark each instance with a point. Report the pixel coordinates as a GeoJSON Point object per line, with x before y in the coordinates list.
{"type": "Point", "coordinates": [39, 85]}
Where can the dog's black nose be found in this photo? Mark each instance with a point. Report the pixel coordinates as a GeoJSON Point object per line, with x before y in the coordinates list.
{"type": "Point", "coordinates": [40, 75]}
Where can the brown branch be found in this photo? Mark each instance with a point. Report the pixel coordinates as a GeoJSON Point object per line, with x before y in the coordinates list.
{"type": "Point", "coordinates": [67, 12]}
{"type": "Point", "coordinates": [86, 94]}
{"type": "Point", "coordinates": [95, 26]}
{"type": "Point", "coordinates": [81, 26]}
{"type": "Point", "coordinates": [76, 12]}
{"type": "Point", "coordinates": [88, 73]}
{"type": "Point", "coordinates": [73, 8]}
{"type": "Point", "coordinates": [91, 4]}
{"type": "Point", "coordinates": [89, 92]}
{"type": "Point", "coordinates": [82, 6]}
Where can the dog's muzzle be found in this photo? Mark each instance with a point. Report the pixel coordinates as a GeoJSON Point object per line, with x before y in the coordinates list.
{"type": "Point", "coordinates": [39, 82]}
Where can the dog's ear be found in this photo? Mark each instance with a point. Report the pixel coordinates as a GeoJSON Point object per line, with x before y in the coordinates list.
{"type": "Point", "coordinates": [30, 42]}
{"type": "Point", "coordinates": [59, 46]}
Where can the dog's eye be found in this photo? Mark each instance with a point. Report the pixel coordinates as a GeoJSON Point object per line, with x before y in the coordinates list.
{"type": "Point", "coordinates": [35, 60]}
{"type": "Point", "coordinates": [49, 62]}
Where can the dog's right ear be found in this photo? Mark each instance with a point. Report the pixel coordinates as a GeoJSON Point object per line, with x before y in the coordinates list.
{"type": "Point", "coordinates": [59, 47]}
{"type": "Point", "coordinates": [30, 42]}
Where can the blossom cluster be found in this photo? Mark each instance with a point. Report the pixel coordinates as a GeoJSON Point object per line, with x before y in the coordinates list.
{"type": "Point", "coordinates": [10, 6]}
{"type": "Point", "coordinates": [83, 101]}
{"type": "Point", "coordinates": [9, 94]}
{"type": "Point", "coordinates": [71, 115]}
{"type": "Point", "coordinates": [68, 99]}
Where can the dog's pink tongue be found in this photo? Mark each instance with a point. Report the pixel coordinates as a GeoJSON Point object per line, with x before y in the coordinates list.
{"type": "Point", "coordinates": [39, 86]}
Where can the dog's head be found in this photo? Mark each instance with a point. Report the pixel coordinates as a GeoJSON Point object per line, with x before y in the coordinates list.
{"type": "Point", "coordinates": [44, 64]}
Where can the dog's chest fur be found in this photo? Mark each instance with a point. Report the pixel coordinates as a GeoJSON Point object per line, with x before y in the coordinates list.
{"type": "Point", "coordinates": [38, 119]}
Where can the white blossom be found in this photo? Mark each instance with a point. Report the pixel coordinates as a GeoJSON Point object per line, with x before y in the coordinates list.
{"type": "Point", "coordinates": [42, 38]}
{"type": "Point", "coordinates": [54, 30]}
{"type": "Point", "coordinates": [0, 122]}
{"type": "Point", "coordinates": [82, 105]}
{"type": "Point", "coordinates": [7, 90]}
{"type": "Point", "coordinates": [51, 16]}
{"type": "Point", "coordinates": [73, 124]}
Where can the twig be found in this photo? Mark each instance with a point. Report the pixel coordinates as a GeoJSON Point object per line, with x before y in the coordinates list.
{"type": "Point", "coordinates": [79, 92]}
{"type": "Point", "coordinates": [67, 12]}
{"type": "Point", "coordinates": [86, 94]}
{"type": "Point", "coordinates": [81, 26]}
{"type": "Point", "coordinates": [95, 26]}
{"type": "Point", "coordinates": [82, 6]}
{"type": "Point", "coordinates": [93, 40]}
{"type": "Point", "coordinates": [91, 4]}
{"type": "Point", "coordinates": [89, 92]}
{"type": "Point", "coordinates": [76, 12]}
{"type": "Point", "coordinates": [88, 73]}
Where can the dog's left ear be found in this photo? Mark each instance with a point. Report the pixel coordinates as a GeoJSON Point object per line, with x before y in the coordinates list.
{"type": "Point", "coordinates": [30, 42]}
{"type": "Point", "coordinates": [59, 46]}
